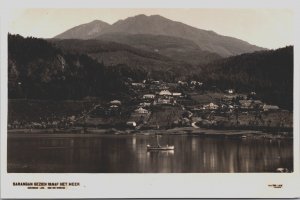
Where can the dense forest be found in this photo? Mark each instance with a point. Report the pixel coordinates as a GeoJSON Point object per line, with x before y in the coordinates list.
{"type": "Point", "coordinates": [269, 73]}
{"type": "Point", "coordinates": [38, 70]}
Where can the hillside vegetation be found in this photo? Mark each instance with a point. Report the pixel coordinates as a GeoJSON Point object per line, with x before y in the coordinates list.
{"type": "Point", "coordinates": [269, 73]}
{"type": "Point", "coordinates": [38, 70]}
{"type": "Point", "coordinates": [115, 55]}
{"type": "Point", "coordinates": [173, 47]}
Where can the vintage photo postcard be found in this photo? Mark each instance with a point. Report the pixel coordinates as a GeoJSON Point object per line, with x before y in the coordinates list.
{"type": "Point", "coordinates": [150, 100]}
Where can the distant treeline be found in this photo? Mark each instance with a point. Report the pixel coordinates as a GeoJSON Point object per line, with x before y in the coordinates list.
{"type": "Point", "coordinates": [268, 73]}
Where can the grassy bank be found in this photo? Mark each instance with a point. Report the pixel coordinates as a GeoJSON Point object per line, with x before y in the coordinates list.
{"type": "Point", "coordinates": [35, 110]}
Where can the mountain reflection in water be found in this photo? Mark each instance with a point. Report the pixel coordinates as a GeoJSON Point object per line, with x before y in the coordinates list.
{"type": "Point", "coordinates": [128, 154]}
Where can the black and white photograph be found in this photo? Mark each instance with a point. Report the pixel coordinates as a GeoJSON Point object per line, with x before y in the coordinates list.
{"type": "Point", "coordinates": [150, 91]}
{"type": "Point", "coordinates": [148, 100]}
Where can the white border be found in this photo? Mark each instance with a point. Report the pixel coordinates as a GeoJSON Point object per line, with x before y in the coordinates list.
{"type": "Point", "coordinates": [193, 185]}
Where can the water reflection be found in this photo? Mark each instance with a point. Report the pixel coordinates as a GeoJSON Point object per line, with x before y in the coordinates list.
{"type": "Point", "coordinates": [124, 154]}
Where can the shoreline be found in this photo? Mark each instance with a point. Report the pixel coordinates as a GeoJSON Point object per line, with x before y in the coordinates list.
{"type": "Point", "coordinates": [188, 131]}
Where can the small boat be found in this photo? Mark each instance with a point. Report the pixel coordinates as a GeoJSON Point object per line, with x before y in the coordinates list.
{"type": "Point", "coordinates": [244, 137]}
{"type": "Point", "coordinates": [159, 147]}
{"type": "Point", "coordinates": [162, 148]}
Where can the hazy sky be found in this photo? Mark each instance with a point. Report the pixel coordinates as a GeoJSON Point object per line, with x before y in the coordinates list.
{"type": "Point", "coordinates": [270, 28]}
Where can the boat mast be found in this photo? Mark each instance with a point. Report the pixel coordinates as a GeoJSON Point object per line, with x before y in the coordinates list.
{"type": "Point", "coordinates": [157, 139]}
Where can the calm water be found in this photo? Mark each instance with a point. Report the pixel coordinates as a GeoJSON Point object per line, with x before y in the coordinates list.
{"type": "Point", "coordinates": [124, 154]}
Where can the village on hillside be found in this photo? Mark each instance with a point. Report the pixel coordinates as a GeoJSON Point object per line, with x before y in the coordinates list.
{"type": "Point", "coordinates": [160, 105]}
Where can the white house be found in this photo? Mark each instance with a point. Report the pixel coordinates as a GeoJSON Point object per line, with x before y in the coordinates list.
{"type": "Point", "coordinates": [165, 93]}
{"type": "Point", "coordinates": [148, 96]}
{"type": "Point", "coordinates": [230, 91]}
{"type": "Point", "coordinates": [269, 107]}
{"type": "Point", "coordinates": [176, 94]}
{"type": "Point", "coordinates": [115, 102]}
{"type": "Point", "coordinates": [141, 85]}
{"type": "Point", "coordinates": [193, 82]}
{"type": "Point", "coordinates": [114, 106]}
{"type": "Point", "coordinates": [141, 111]}
{"type": "Point", "coordinates": [182, 83]}
{"type": "Point", "coordinates": [145, 104]}
{"type": "Point", "coordinates": [211, 106]}
{"type": "Point", "coordinates": [131, 123]}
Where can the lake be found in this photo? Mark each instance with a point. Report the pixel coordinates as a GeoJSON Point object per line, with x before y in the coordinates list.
{"type": "Point", "coordinates": [128, 154]}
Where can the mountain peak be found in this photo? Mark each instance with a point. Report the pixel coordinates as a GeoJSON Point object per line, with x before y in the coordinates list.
{"type": "Point", "coordinates": [157, 16]}
{"type": "Point", "coordinates": [97, 21]}
{"type": "Point", "coordinates": [142, 18]}
{"type": "Point", "coordinates": [84, 31]}
{"type": "Point", "coordinates": [147, 16]}
{"type": "Point", "coordinates": [140, 15]}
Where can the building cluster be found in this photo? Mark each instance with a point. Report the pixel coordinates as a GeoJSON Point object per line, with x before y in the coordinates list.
{"type": "Point", "coordinates": [149, 95]}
